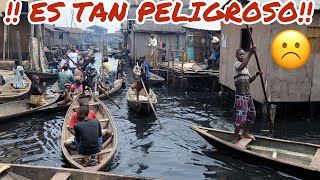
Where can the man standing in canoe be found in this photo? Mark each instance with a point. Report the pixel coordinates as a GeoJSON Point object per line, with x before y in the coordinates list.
{"type": "Point", "coordinates": [245, 113]}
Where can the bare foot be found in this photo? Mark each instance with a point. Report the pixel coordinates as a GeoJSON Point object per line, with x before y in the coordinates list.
{"type": "Point", "coordinates": [248, 136]}
{"type": "Point", "coordinates": [235, 140]}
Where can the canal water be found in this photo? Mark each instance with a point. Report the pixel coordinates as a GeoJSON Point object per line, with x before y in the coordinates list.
{"type": "Point", "coordinates": [174, 152]}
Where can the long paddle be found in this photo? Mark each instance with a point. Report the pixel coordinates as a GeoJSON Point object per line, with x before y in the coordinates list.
{"type": "Point", "coordinates": [262, 82]}
{"type": "Point", "coordinates": [98, 83]}
{"type": "Point", "coordinates": [154, 111]}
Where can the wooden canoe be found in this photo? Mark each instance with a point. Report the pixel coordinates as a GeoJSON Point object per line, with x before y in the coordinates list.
{"type": "Point", "coordinates": [28, 172]}
{"type": "Point", "coordinates": [8, 93]}
{"type": "Point", "coordinates": [55, 88]}
{"type": "Point", "coordinates": [143, 104]}
{"type": "Point", "coordinates": [44, 76]}
{"type": "Point", "coordinates": [106, 121]}
{"type": "Point", "coordinates": [116, 87]}
{"type": "Point", "coordinates": [154, 79]}
{"type": "Point", "coordinates": [16, 109]}
{"type": "Point", "coordinates": [295, 158]}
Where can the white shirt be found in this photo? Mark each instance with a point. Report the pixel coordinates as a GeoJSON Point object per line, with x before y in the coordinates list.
{"type": "Point", "coordinates": [62, 62]}
{"type": "Point", "coordinates": [153, 42]}
{"type": "Point", "coordinates": [74, 56]}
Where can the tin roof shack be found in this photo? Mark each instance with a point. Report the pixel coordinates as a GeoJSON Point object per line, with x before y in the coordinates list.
{"type": "Point", "coordinates": [54, 36]}
{"type": "Point", "coordinates": [199, 38]}
{"type": "Point", "coordinates": [300, 85]}
{"type": "Point", "coordinates": [8, 34]}
{"type": "Point", "coordinates": [114, 39]}
{"type": "Point", "coordinates": [138, 36]}
{"type": "Point", "coordinates": [75, 35]}
{"type": "Point", "coordinates": [169, 34]}
{"type": "Point", "coordinates": [99, 34]}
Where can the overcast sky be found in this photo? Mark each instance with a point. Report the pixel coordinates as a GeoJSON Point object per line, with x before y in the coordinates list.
{"type": "Point", "coordinates": [65, 20]}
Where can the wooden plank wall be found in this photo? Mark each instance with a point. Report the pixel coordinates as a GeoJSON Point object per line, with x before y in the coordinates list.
{"type": "Point", "coordinates": [138, 41]}
{"type": "Point", "coordinates": [24, 28]}
{"type": "Point", "coordinates": [300, 85]}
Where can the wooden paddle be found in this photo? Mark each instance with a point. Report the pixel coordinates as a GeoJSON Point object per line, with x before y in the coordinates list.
{"type": "Point", "coordinates": [98, 83]}
{"type": "Point", "coordinates": [262, 82]}
{"type": "Point", "coordinates": [154, 111]}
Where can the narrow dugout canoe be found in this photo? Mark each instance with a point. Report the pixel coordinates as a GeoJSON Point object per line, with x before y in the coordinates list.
{"type": "Point", "coordinates": [55, 88]}
{"type": "Point", "coordinates": [16, 109]}
{"type": "Point", "coordinates": [116, 88]}
{"type": "Point", "coordinates": [295, 158]}
{"type": "Point", "coordinates": [8, 93]}
{"type": "Point", "coordinates": [154, 79]}
{"type": "Point", "coordinates": [44, 76]}
{"type": "Point", "coordinates": [28, 172]}
{"type": "Point", "coordinates": [106, 121]}
{"type": "Point", "coordinates": [143, 104]}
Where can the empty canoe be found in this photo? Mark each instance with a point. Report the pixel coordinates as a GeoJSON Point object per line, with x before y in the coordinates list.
{"type": "Point", "coordinates": [295, 158]}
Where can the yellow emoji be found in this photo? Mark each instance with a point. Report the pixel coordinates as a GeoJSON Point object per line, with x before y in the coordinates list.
{"type": "Point", "coordinates": [290, 49]}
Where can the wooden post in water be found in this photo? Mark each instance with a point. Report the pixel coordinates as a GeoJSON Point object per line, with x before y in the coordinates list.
{"type": "Point", "coordinates": [19, 46]}
{"type": "Point", "coordinates": [170, 49]}
{"type": "Point", "coordinates": [4, 41]}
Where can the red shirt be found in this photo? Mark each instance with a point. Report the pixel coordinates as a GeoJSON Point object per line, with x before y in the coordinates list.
{"type": "Point", "coordinates": [74, 119]}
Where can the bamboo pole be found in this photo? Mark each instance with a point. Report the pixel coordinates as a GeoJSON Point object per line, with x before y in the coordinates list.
{"type": "Point", "coordinates": [154, 111]}
{"type": "Point", "coordinates": [262, 82]}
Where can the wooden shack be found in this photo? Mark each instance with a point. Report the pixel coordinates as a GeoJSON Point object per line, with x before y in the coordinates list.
{"type": "Point", "coordinates": [300, 85]}
{"type": "Point", "coordinates": [54, 36]}
{"type": "Point", "coordinates": [137, 37]}
{"type": "Point", "coordinates": [201, 35]}
{"type": "Point", "coordinates": [8, 35]}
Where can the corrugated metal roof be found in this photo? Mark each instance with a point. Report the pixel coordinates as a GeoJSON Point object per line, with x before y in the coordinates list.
{"type": "Point", "coordinates": [150, 26]}
{"type": "Point", "coordinates": [71, 30]}
{"type": "Point", "coordinates": [209, 26]}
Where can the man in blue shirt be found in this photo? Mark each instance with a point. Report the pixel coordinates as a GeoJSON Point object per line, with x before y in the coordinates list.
{"type": "Point", "coordinates": [145, 76]}
{"type": "Point", "coordinates": [216, 53]}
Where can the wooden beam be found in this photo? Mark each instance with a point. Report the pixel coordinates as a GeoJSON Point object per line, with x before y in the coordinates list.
{"type": "Point", "coordinates": [80, 156]}
{"type": "Point", "coordinates": [316, 159]}
{"type": "Point", "coordinates": [4, 41]}
{"type": "Point", "coordinates": [283, 151]}
{"type": "Point", "coordinates": [19, 46]}
{"type": "Point", "coordinates": [61, 176]}
{"type": "Point", "coordinates": [243, 142]}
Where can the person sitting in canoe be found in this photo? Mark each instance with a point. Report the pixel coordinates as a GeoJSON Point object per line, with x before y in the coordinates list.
{"type": "Point", "coordinates": [18, 75]}
{"type": "Point", "coordinates": [67, 95]}
{"type": "Point", "coordinates": [2, 80]}
{"type": "Point", "coordinates": [91, 115]}
{"type": "Point", "coordinates": [91, 75]}
{"type": "Point", "coordinates": [77, 87]}
{"type": "Point", "coordinates": [245, 113]}
{"type": "Point", "coordinates": [88, 135]}
{"type": "Point", "coordinates": [54, 66]}
{"type": "Point", "coordinates": [65, 77]}
{"type": "Point", "coordinates": [36, 92]}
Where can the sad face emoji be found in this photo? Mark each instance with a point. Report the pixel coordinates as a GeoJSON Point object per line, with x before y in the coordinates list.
{"type": "Point", "coordinates": [290, 49]}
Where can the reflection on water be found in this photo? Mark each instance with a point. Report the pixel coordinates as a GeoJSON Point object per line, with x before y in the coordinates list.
{"type": "Point", "coordinates": [174, 152]}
